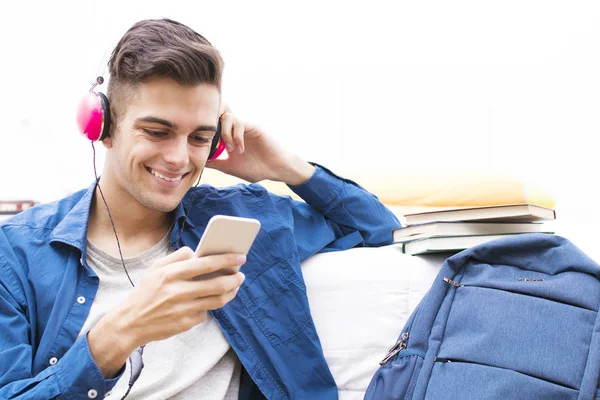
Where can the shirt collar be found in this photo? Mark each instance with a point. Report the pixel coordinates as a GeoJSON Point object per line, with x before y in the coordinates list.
{"type": "Point", "coordinates": [72, 229]}
{"type": "Point", "coordinates": [180, 214]}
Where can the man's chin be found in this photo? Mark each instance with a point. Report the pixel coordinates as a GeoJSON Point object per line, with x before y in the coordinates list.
{"type": "Point", "coordinates": [166, 208]}
{"type": "Point", "coordinates": [162, 205]}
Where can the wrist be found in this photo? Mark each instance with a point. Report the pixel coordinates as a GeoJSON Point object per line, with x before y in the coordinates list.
{"type": "Point", "coordinates": [110, 345]}
{"type": "Point", "coordinates": [298, 172]}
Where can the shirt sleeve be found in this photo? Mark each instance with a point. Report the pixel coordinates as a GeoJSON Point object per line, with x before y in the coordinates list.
{"type": "Point", "coordinates": [74, 376]}
{"type": "Point", "coordinates": [337, 214]}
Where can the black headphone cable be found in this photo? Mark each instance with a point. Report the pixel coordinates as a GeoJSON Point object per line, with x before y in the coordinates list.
{"type": "Point", "coordinates": [136, 360]}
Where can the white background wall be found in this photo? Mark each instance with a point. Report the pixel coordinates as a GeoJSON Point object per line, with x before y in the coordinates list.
{"type": "Point", "coordinates": [511, 87]}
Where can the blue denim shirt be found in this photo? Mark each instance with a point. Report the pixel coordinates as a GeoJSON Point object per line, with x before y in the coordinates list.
{"type": "Point", "coordinates": [47, 288]}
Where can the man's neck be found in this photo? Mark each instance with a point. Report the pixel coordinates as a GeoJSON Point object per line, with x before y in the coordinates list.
{"type": "Point", "coordinates": [138, 228]}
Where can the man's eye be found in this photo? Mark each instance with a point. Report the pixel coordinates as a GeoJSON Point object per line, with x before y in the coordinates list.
{"type": "Point", "coordinates": [156, 134]}
{"type": "Point", "coordinates": [199, 139]}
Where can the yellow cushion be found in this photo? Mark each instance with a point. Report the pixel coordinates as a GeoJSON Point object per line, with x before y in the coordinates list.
{"type": "Point", "coordinates": [441, 189]}
{"type": "Point", "coordinates": [453, 189]}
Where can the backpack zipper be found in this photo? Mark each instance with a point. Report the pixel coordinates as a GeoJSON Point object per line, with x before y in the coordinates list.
{"type": "Point", "coordinates": [399, 346]}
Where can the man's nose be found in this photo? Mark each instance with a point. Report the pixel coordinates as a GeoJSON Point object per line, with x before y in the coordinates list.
{"type": "Point", "coordinates": [176, 154]}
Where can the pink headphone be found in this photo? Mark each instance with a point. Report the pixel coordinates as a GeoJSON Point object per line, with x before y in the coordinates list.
{"type": "Point", "coordinates": [93, 120]}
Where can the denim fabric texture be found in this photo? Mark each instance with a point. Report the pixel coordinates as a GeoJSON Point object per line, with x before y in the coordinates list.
{"type": "Point", "coordinates": [515, 318]}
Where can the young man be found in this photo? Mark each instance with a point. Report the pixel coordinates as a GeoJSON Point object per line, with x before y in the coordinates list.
{"type": "Point", "coordinates": [69, 315]}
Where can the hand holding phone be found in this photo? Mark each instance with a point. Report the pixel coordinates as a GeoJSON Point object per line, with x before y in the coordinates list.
{"type": "Point", "coordinates": [225, 234]}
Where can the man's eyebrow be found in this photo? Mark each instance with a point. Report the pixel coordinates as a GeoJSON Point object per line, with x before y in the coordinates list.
{"type": "Point", "coordinates": [205, 128]}
{"type": "Point", "coordinates": [156, 120]}
{"type": "Point", "coordinates": [171, 125]}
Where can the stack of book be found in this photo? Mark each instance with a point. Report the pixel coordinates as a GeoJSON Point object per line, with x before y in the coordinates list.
{"type": "Point", "coordinates": [456, 229]}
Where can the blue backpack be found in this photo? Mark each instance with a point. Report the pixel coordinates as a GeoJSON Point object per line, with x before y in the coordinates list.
{"type": "Point", "coordinates": [515, 318]}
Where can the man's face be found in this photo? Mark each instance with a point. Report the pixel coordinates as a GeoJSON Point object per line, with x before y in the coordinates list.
{"type": "Point", "coordinates": [162, 142]}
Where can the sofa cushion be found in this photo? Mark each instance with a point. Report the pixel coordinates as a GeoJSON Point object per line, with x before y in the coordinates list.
{"type": "Point", "coordinates": [360, 299]}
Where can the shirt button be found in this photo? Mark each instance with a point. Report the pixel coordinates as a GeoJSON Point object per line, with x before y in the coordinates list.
{"type": "Point", "coordinates": [53, 361]}
{"type": "Point", "coordinates": [81, 299]}
{"type": "Point", "coordinates": [92, 394]}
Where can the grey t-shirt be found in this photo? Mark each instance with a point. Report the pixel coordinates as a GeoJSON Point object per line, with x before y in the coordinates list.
{"type": "Point", "coordinates": [197, 364]}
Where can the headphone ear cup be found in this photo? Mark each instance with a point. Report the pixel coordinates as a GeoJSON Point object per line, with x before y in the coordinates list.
{"type": "Point", "coordinates": [217, 146]}
{"type": "Point", "coordinates": [93, 116]}
{"type": "Point", "coordinates": [105, 116]}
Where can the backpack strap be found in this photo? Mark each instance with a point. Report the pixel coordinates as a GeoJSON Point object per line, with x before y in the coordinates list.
{"type": "Point", "coordinates": [589, 384]}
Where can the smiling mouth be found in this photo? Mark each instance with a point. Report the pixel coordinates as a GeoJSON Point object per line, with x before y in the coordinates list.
{"type": "Point", "coordinates": [165, 178]}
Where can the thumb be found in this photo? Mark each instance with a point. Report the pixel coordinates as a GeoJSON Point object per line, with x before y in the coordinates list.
{"type": "Point", "coordinates": [184, 253]}
{"type": "Point", "coordinates": [219, 165]}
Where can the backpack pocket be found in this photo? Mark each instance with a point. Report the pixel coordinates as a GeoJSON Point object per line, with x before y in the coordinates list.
{"type": "Point", "coordinates": [569, 287]}
{"type": "Point", "coordinates": [452, 379]}
{"type": "Point", "coordinates": [396, 379]}
{"type": "Point", "coordinates": [532, 336]}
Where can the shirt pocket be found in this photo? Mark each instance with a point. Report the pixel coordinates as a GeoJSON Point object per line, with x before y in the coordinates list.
{"type": "Point", "coordinates": [277, 302]}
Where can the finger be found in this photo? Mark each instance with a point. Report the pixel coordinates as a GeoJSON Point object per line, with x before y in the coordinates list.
{"type": "Point", "coordinates": [184, 253]}
{"type": "Point", "coordinates": [211, 287]}
{"type": "Point", "coordinates": [226, 131]}
{"type": "Point", "coordinates": [215, 302]}
{"type": "Point", "coordinates": [191, 313]}
{"type": "Point", "coordinates": [189, 317]}
{"type": "Point", "coordinates": [224, 109]}
{"type": "Point", "coordinates": [220, 165]}
{"type": "Point", "coordinates": [189, 269]}
{"type": "Point", "coordinates": [238, 135]}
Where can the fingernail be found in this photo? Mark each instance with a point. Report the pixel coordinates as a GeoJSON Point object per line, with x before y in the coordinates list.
{"type": "Point", "coordinates": [241, 259]}
{"type": "Point", "coordinates": [243, 276]}
{"type": "Point", "coordinates": [229, 147]}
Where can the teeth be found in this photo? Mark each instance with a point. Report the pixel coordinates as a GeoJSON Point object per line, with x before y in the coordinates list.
{"type": "Point", "coordinates": [153, 172]}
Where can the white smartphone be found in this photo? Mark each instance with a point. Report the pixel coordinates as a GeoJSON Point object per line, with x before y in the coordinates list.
{"type": "Point", "coordinates": [225, 234]}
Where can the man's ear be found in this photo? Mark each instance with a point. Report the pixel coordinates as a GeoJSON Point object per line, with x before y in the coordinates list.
{"type": "Point", "coordinates": [107, 142]}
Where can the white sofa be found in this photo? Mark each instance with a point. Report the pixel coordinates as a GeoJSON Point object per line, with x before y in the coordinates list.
{"type": "Point", "coordinates": [360, 299]}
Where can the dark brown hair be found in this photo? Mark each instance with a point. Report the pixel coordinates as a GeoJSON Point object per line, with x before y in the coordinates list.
{"type": "Point", "coordinates": [160, 48]}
